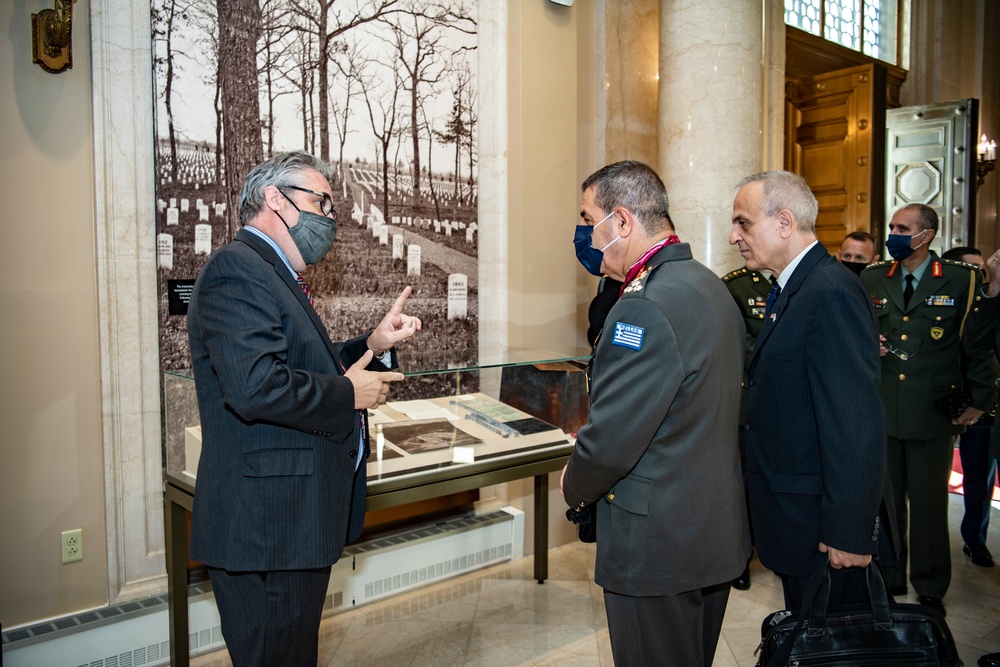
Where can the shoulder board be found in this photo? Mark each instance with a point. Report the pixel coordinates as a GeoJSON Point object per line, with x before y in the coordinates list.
{"type": "Point", "coordinates": [640, 280]}
{"type": "Point", "coordinates": [735, 274]}
{"type": "Point", "coordinates": [884, 262]}
{"type": "Point", "coordinates": [955, 262]}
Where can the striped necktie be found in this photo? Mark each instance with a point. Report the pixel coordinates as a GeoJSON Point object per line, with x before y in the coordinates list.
{"type": "Point", "coordinates": [305, 288]}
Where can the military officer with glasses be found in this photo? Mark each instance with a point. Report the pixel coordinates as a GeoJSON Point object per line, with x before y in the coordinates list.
{"type": "Point", "coordinates": [922, 302]}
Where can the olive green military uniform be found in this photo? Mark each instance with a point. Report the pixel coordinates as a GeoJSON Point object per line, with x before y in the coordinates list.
{"type": "Point", "coordinates": [750, 289]}
{"type": "Point", "coordinates": [924, 364]}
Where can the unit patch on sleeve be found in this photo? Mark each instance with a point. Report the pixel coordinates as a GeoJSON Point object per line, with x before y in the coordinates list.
{"type": "Point", "coordinates": [628, 335]}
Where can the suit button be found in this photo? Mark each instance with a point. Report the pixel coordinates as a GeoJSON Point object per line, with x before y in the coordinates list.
{"type": "Point", "coordinates": [746, 427]}
{"type": "Point", "coordinates": [902, 376]}
{"type": "Point", "coordinates": [906, 318]}
{"type": "Point", "coordinates": [354, 454]}
{"type": "Point", "coordinates": [904, 337]}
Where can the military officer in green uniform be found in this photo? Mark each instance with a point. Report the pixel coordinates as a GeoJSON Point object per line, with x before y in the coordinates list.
{"type": "Point", "coordinates": [922, 302]}
{"type": "Point", "coordinates": [749, 289]}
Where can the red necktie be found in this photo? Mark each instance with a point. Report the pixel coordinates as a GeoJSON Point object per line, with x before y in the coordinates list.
{"type": "Point", "coordinates": [305, 288]}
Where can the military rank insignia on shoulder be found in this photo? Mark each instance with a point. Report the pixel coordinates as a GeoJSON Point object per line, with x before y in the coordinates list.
{"type": "Point", "coordinates": [735, 274]}
{"type": "Point", "coordinates": [638, 282]}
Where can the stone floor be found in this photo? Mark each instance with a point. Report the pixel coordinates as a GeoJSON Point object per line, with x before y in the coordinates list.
{"type": "Point", "coordinates": [502, 616]}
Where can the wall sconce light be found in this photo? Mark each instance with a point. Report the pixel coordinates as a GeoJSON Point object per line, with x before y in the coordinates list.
{"type": "Point", "coordinates": [987, 162]}
{"type": "Point", "coordinates": [52, 37]}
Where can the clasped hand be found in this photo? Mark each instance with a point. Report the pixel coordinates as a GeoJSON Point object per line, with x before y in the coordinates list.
{"type": "Point", "coordinates": [371, 388]}
{"type": "Point", "coordinates": [840, 559]}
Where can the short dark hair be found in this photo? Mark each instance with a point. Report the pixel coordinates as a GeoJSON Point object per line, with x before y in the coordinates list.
{"type": "Point", "coordinates": [958, 252]}
{"type": "Point", "coordinates": [927, 217]}
{"type": "Point", "coordinates": [635, 186]}
{"type": "Point", "coordinates": [280, 170]}
{"type": "Point", "coordinates": [861, 237]}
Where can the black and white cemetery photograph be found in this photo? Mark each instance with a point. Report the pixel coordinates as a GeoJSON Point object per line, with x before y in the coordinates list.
{"type": "Point", "coordinates": [386, 93]}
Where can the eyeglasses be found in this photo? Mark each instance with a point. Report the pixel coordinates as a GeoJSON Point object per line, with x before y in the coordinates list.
{"type": "Point", "coordinates": [325, 205]}
{"type": "Point", "coordinates": [896, 351]}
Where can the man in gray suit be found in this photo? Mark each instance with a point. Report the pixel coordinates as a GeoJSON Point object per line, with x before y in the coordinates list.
{"type": "Point", "coordinates": [659, 453]}
{"type": "Point", "coordinates": [281, 480]}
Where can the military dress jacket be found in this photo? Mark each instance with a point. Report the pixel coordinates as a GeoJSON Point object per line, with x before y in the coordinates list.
{"type": "Point", "coordinates": [925, 361]}
{"type": "Point", "coordinates": [659, 451]}
{"type": "Point", "coordinates": [749, 289]}
{"type": "Point", "coordinates": [279, 483]}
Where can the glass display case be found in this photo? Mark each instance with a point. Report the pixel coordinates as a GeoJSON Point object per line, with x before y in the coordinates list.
{"type": "Point", "coordinates": [459, 421]}
{"type": "Point", "coordinates": [453, 411]}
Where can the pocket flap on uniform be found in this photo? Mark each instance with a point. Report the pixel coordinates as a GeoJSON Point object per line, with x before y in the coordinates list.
{"type": "Point", "coordinates": [278, 462]}
{"type": "Point", "coordinates": [632, 494]}
{"type": "Point", "coordinates": [810, 485]}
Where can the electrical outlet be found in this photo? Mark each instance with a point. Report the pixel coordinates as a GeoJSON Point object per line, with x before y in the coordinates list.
{"type": "Point", "coordinates": [72, 545]}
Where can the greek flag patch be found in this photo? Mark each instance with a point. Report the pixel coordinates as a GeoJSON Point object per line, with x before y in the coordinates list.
{"type": "Point", "coordinates": [628, 335]}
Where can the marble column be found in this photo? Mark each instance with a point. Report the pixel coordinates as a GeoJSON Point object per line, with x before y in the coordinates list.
{"type": "Point", "coordinates": [711, 100]}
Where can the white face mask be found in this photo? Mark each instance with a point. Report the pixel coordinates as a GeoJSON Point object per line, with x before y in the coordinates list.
{"type": "Point", "coordinates": [601, 223]}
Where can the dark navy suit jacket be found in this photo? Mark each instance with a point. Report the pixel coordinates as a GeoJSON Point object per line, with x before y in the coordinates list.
{"type": "Point", "coordinates": [815, 424]}
{"type": "Point", "coordinates": [277, 484]}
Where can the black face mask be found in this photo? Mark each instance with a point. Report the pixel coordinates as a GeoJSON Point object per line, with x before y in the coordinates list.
{"type": "Point", "coordinates": [857, 267]}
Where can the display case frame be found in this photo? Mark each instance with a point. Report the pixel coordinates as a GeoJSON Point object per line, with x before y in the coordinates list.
{"type": "Point", "coordinates": [493, 459]}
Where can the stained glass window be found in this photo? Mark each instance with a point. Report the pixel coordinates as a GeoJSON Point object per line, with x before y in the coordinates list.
{"type": "Point", "coordinates": [868, 26]}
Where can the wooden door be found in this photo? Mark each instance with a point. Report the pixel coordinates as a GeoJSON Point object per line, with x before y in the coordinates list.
{"type": "Point", "coordinates": [931, 159]}
{"type": "Point", "coordinates": [835, 123]}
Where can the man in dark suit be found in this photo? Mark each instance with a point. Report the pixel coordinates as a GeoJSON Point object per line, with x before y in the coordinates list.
{"type": "Point", "coordinates": [281, 479]}
{"type": "Point", "coordinates": [815, 426]}
{"type": "Point", "coordinates": [658, 454]}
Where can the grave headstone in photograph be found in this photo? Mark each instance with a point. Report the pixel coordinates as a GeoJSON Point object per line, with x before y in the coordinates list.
{"type": "Point", "coordinates": [165, 251]}
{"type": "Point", "coordinates": [173, 202]}
{"type": "Point", "coordinates": [383, 234]}
{"type": "Point", "coordinates": [458, 296]}
{"type": "Point", "coordinates": [185, 205]}
{"type": "Point", "coordinates": [413, 260]}
{"type": "Point", "coordinates": [397, 246]}
{"type": "Point", "coordinates": [202, 213]}
{"type": "Point", "coordinates": [470, 235]}
{"type": "Point", "coordinates": [203, 239]}
{"type": "Point", "coordinates": [173, 215]}
{"type": "Point", "coordinates": [437, 226]}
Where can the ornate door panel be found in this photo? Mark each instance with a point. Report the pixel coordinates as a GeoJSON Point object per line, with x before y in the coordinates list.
{"type": "Point", "coordinates": [930, 159]}
{"type": "Point", "coordinates": [834, 125]}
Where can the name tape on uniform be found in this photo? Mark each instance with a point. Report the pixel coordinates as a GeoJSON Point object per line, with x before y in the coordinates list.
{"type": "Point", "coordinates": [628, 335]}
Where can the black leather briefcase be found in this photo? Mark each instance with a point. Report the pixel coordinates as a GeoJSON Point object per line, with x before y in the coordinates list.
{"type": "Point", "coordinates": [882, 633]}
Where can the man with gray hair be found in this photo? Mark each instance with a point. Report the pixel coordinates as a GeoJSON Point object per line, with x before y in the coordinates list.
{"type": "Point", "coordinates": [281, 479]}
{"type": "Point", "coordinates": [815, 426]}
{"type": "Point", "coordinates": [657, 460]}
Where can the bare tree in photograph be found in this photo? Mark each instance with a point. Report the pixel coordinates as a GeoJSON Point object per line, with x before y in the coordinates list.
{"type": "Point", "coordinates": [204, 18]}
{"type": "Point", "coordinates": [271, 54]}
{"type": "Point", "coordinates": [383, 113]}
{"type": "Point", "coordinates": [350, 63]}
{"type": "Point", "coordinates": [239, 30]}
{"type": "Point", "coordinates": [166, 20]}
{"type": "Point", "coordinates": [318, 17]}
{"type": "Point", "coordinates": [300, 72]}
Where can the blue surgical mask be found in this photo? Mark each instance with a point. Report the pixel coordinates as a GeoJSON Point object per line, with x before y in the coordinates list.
{"type": "Point", "coordinates": [898, 245]}
{"type": "Point", "coordinates": [589, 256]}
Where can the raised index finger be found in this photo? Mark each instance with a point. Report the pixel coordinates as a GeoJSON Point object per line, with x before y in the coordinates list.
{"type": "Point", "coordinates": [397, 306]}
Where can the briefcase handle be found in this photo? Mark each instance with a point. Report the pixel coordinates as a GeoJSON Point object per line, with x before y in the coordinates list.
{"type": "Point", "coordinates": [815, 598]}
{"type": "Point", "coordinates": [817, 603]}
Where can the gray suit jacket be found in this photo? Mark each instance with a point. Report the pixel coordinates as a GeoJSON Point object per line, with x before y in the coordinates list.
{"type": "Point", "coordinates": [659, 451]}
{"type": "Point", "coordinates": [277, 487]}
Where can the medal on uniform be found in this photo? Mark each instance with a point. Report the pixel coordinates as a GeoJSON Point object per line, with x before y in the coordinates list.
{"type": "Point", "coordinates": [937, 333]}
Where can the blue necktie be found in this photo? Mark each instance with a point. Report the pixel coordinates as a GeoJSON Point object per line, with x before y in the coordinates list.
{"type": "Point", "coordinates": [772, 296]}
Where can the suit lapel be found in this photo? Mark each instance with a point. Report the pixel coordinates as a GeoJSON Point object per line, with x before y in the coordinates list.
{"type": "Point", "coordinates": [798, 277]}
{"type": "Point", "coordinates": [267, 254]}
